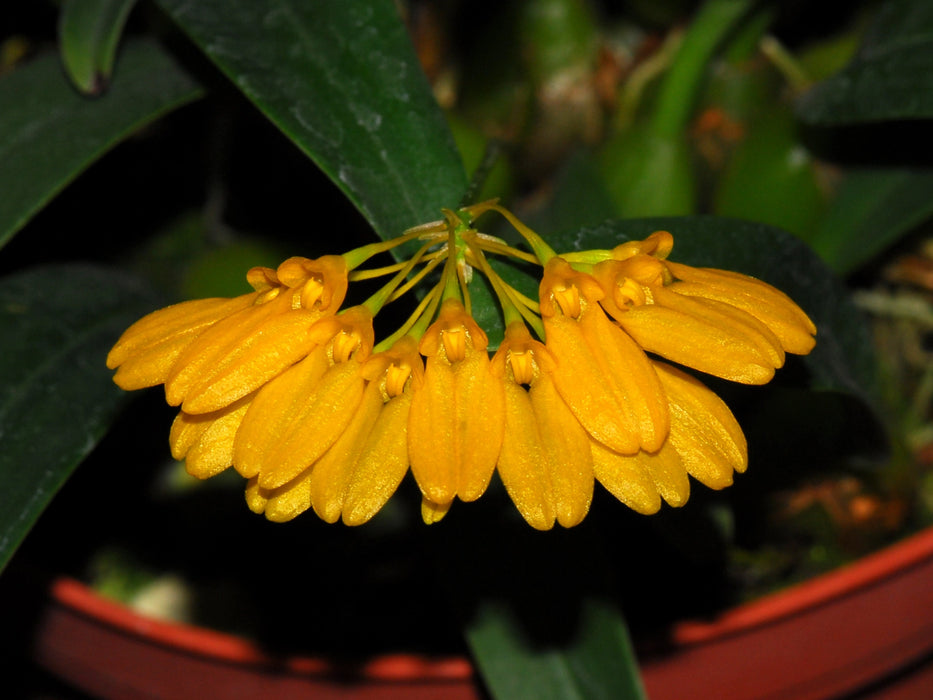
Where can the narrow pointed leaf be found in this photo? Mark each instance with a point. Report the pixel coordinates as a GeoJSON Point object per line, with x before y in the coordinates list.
{"type": "Point", "coordinates": [89, 32]}
{"type": "Point", "coordinates": [49, 133]}
{"type": "Point", "coordinates": [56, 395]}
{"type": "Point", "coordinates": [341, 80]}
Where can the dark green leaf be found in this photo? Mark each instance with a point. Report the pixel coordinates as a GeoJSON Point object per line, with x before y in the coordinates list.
{"type": "Point", "coordinates": [539, 614]}
{"type": "Point", "coordinates": [873, 208]}
{"type": "Point", "coordinates": [56, 395]}
{"type": "Point", "coordinates": [341, 79]}
{"type": "Point", "coordinates": [49, 133]}
{"type": "Point", "coordinates": [598, 662]}
{"type": "Point", "coordinates": [891, 76]}
{"type": "Point", "coordinates": [89, 32]}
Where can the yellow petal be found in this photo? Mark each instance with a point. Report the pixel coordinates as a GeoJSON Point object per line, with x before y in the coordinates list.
{"type": "Point", "coordinates": [631, 376]}
{"type": "Point", "coordinates": [522, 462]}
{"type": "Point", "coordinates": [432, 512]}
{"type": "Point", "coordinates": [432, 433]}
{"type": "Point", "coordinates": [703, 430]}
{"type": "Point", "coordinates": [289, 500]}
{"type": "Point", "coordinates": [480, 408]}
{"type": "Point", "coordinates": [580, 378]}
{"type": "Point", "coordinates": [186, 431]}
{"type": "Point", "coordinates": [382, 463]}
{"type": "Point", "coordinates": [256, 498]}
{"type": "Point", "coordinates": [566, 445]}
{"type": "Point", "coordinates": [270, 349]}
{"type": "Point", "coordinates": [270, 413]}
{"type": "Point", "coordinates": [147, 350]}
{"type": "Point", "coordinates": [315, 425]}
{"type": "Point", "coordinates": [668, 472]}
{"type": "Point", "coordinates": [332, 473]}
{"type": "Point", "coordinates": [626, 478]}
{"type": "Point", "coordinates": [766, 303]}
{"type": "Point", "coordinates": [184, 319]}
{"type": "Point", "coordinates": [202, 356]}
{"type": "Point", "coordinates": [212, 452]}
{"type": "Point", "coordinates": [707, 335]}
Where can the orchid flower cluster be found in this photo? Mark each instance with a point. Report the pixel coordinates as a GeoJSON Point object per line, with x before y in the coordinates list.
{"type": "Point", "coordinates": [294, 392]}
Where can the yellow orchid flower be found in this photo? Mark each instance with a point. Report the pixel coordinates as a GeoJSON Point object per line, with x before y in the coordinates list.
{"type": "Point", "coordinates": [602, 374]}
{"type": "Point", "coordinates": [456, 423]}
{"type": "Point", "coordinates": [545, 463]}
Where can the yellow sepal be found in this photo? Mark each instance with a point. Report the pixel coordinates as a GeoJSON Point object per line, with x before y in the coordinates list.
{"type": "Point", "coordinates": [314, 425]}
{"type": "Point", "coordinates": [382, 463]}
{"type": "Point", "coordinates": [626, 478]}
{"type": "Point", "coordinates": [432, 512]}
{"type": "Point", "coordinates": [331, 474]}
{"type": "Point", "coordinates": [147, 351]}
{"type": "Point", "coordinates": [704, 432]}
{"type": "Point", "coordinates": [706, 335]}
{"type": "Point", "coordinates": [766, 303]}
{"type": "Point", "coordinates": [206, 441]}
{"type": "Point", "coordinates": [270, 413]}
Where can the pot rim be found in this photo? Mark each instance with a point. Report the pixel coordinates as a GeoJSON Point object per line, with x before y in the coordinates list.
{"type": "Point", "coordinates": [846, 580]}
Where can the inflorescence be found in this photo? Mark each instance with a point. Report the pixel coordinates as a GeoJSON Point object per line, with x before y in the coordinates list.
{"type": "Point", "coordinates": [294, 392]}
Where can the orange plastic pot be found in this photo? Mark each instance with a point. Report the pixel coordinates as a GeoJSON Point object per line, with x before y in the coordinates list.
{"type": "Point", "coordinates": [866, 628]}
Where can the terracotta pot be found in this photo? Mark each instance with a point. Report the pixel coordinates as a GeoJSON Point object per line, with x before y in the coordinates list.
{"type": "Point", "coordinates": [866, 627]}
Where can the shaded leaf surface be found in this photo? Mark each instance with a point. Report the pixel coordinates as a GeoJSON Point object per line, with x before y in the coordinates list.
{"type": "Point", "coordinates": [578, 648]}
{"type": "Point", "coordinates": [56, 394]}
{"type": "Point", "coordinates": [873, 209]}
{"type": "Point", "coordinates": [341, 79]}
{"type": "Point", "coordinates": [891, 76]}
{"type": "Point", "coordinates": [49, 133]}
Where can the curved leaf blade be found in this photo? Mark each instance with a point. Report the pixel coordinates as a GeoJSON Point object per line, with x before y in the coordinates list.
{"type": "Point", "coordinates": [891, 76]}
{"type": "Point", "coordinates": [56, 395]}
{"type": "Point", "coordinates": [89, 32]}
{"type": "Point", "coordinates": [342, 81]}
{"type": "Point", "coordinates": [49, 133]}
{"type": "Point", "coordinates": [873, 209]}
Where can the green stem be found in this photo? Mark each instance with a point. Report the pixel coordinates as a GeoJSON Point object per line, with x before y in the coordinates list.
{"type": "Point", "coordinates": [679, 91]}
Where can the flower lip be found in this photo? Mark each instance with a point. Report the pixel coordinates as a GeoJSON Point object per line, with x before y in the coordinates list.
{"type": "Point", "coordinates": [452, 332]}
{"type": "Point", "coordinates": [565, 290]}
{"type": "Point", "coordinates": [522, 355]}
{"type": "Point", "coordinates": [320, 284]}
{"type": "Point", "coordinates": [399, 367]}
{"type": "Point", "coordinates": [659, 245]}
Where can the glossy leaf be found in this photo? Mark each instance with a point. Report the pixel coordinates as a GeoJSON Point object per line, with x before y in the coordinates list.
{"type": "Point", "coordinates": [891, 76]}
{"type": "Point", "coordinates": [49, 133]}
{"type": "Point", "coordinates": [873, 209]}
{"type": "Point", "coordinates": [56, 394]}
{"type": "Point", "coordinates": [340, 79]}
{"type": "Point", "coordinates": [89, 32]}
